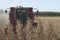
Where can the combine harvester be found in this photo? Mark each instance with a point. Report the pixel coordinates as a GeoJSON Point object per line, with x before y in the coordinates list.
{"type": "Point", "coordinates": [21, 14]}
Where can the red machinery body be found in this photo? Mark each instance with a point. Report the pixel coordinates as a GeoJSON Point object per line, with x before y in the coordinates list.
{"type": "Point", "coordinates": [12, 14]}
{"type": "Point", "coordinates": [21, 14]}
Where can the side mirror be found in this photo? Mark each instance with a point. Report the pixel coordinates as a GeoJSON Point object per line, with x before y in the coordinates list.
{"type": "Point", "coordinates": [5, 11]}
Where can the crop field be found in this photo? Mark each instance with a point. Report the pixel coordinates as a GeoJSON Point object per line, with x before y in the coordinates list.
{"type": "Point", "coordinates": [55, 21]}
{"type": "Point", "coordinates": [48, 28]}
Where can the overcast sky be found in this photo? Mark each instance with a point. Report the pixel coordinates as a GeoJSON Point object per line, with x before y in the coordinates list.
{"type": "Point", "coordinates": [42, 5]}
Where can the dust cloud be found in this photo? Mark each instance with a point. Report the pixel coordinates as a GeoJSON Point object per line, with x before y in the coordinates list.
{"type": "Point", "coordinates": [4, 18]}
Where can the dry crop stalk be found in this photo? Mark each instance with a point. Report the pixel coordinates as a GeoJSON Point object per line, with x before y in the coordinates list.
{"type": "Point", "coordinates": [6, 33]}
{"type": "Point", "coordinates": [15, 32]}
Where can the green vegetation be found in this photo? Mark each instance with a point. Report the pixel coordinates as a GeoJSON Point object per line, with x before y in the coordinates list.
{"type": "Point", "coordinates": [48, 13]}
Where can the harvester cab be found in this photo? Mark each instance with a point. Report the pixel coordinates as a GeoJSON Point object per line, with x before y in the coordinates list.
{"type": "Point", "coordinates": [22, 14]}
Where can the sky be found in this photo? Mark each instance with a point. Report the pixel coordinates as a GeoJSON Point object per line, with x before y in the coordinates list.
{"type": "Point", "coordinates": [41, 5]}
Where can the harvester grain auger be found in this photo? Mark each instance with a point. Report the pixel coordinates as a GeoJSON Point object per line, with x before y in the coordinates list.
{"type": "Point", "coordinates": [21, 14]}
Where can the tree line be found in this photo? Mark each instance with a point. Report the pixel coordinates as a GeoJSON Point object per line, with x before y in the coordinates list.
{"type": "Point", "coordinates": [47, 13]}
